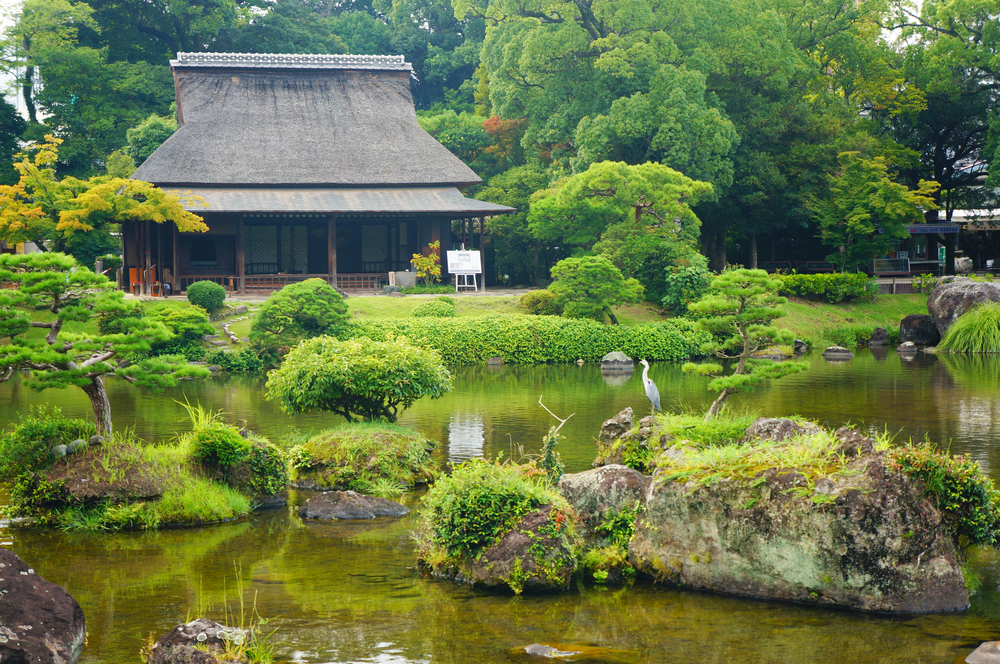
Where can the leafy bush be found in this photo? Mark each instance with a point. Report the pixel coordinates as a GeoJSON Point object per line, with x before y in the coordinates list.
{"type": "Point", "coordinates": [587, 287]}
{"type": "Point", "coordinates": [118, 320]}
{"type": "Point", "coordinates": [857, 335]}
{"type": "Point", "coordinates": [243, 360]}
{"type": "Point", "coordinates": [435, 309]}
{"type": "Point", "coordinates": [446, 299]}
{"type": "Point", "coordinates": [429, 267]}
{"type": "Point", "coordinates": [975, 331]}
{"type": "Point", "coordinates": [429, 290]}
{"type": "Point", "coordinates": [540, 303]}
{"type": "Point", "coordinates": [357, 378]}
{"type": "Point", "coordinates": [206, 294]}
{"type": "Point", "coordinates": [298, 311]}
{"type": "Point", "coordinates": [111, 261]}
{"type": "Point", "coordinates": [925, 283]}
{"type": "Point", "coordinates": [966, 497]}
{"type": "Point", "coordinates": [481, 501]}
{"type": "Point", "coordinates": [262, 471]}
{"type": "Point", "coordinates": [219, 444]}
{"type": "Point", "coordinates": [832, 288]}
{"type": "Point", "coordinates": [25, 447]}
{"type": "Point", "coordinates": [524, 339]}
{"type": "Point", "coordinates": [684, 285]}
{"type": "Point", "coordinates": [361, 456]}
{"type": "Point", "coordinates": [189, 323]}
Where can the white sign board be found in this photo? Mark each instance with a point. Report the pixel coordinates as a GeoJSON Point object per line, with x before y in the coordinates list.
{"type": "Point", "coordinates": [464, 262]}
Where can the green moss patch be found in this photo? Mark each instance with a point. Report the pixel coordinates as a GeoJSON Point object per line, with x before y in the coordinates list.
{"type": "Point", "coordinates": [374, 458]}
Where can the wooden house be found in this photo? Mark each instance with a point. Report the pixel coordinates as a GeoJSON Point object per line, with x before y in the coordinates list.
{"type": "Point", "coordinates": [302, 166]}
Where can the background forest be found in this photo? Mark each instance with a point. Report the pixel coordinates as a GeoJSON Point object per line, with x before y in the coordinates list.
{"type": "Point", "coordinates": [762, 126]}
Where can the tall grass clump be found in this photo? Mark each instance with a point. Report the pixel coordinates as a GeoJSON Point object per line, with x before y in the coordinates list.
{"type": "Point", "coordinates": [975, 331]}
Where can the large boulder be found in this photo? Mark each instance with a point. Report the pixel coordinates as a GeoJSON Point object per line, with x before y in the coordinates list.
{"type": "Point", "coordinates": [608, 443]}
{"type": "Point", "coordinates": [602, 492]}
{"type": "Point", "coordinates": [879, 337]}
{"type": "Point", "coordinates": [865, 539]}
{"type": "Point", "coordinates": [530, 557]}
{"type": "Point", "coordinates": [350, 505]}
{"type": "Point", "coordinates": [950, 300]}
{"type": "Point", "coordinates": [200, 641]}
{"type": "Point", "coordinates": [778, 429]}
{"type": "Point", "coordinates": [920, 329]}
{"type": "Point", "coordinates": [40, 622]}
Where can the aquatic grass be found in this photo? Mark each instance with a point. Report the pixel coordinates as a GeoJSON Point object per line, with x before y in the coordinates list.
{"type": "Point", "coordinates": [975, 331]}
{"type": "Point", "coordinates": [693, 428]}
{"type": "Point", "coordinates": [190, 499]}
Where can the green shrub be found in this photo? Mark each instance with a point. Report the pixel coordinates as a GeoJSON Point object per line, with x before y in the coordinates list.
{"type": "Point", "coordinates": [190, 323]}
{"type": "Point", "coordinates": [111, 261]}
{"type": "Point", "coordinates": [965, 496]}
{"type": "Point", "coordinates": [362, 456]}
{"type": "Point", "coordinates": [540, 303]}
{"type": "Point", "coordinates": [588, 286]}
{"type": "Point", "coordinates": [117, 321]}
{"type": "Point", "coordinates": [696, 430]}
{"type": "Point", "coordinates": [435, 309]}
{"type": "Point", "coordinates": [243, 360]}
{"type": "Point", "coordinates": [302, 310]}
{"type": "Point", "coordinates": [262, 471]}
{"type": "Point", "coordinates": [447, 299]}
{"type": "Point", "coordinates": [25, 447]}
{"type": "Point", "coordinates": [219, 444]}
{"type": "Point", "coordinates": [683, 285]}
{"type": "Point", "coordinates": [481, 501]}
{"type": "Point", "coordinates": [975, 331]}
{"type": "Point", "coordinates": [832, 287]}
{"type": "Point", "coordinates": [857, 335]}
{"type": "Point", "coordinates": [925, 283]}
{"type": "Point", "coordinates": [524, 339]}
{"type": "Point", "coordinates": [429, 290]}
{"type": "Point", "coordinates": [206, 294]}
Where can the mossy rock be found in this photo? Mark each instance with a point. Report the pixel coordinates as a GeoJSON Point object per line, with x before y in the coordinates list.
{"type": "Point", "coordinates": [364, 457]}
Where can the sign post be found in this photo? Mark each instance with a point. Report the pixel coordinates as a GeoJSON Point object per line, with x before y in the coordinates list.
{"type": "Point", "coordinates": [464, 264]}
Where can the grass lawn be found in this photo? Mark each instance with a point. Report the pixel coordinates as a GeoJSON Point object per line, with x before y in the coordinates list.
{"type": "Point", "coordinates": [808, 320]}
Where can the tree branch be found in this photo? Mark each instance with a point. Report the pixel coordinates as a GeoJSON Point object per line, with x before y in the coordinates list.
{"type": "Point", "coordinates": [561, 420]}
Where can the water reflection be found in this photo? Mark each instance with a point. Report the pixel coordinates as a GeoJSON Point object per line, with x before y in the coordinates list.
{"type": "Point", "coordinates": [466, 437]}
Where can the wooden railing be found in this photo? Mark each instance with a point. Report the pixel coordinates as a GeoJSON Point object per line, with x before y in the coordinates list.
{"type": "Point", "coordinates": [263, 284]}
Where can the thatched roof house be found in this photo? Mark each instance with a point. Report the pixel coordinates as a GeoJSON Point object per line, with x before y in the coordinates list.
{"type": "Point", "coordinates": [310, 165]}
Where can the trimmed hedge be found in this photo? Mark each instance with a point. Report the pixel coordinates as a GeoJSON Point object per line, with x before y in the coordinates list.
{"type": "Point", "coordinates": [831, 287]}
{"type": "Point", "coordinates": [435, 309]}
{"type": "Point", "coordinates": [526, 339]}
{"type": "Point", "coordinates": [206, 294]}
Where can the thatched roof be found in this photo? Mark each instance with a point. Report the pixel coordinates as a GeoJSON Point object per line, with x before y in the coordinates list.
{"type": "Point", "coordinates": [298, 120]}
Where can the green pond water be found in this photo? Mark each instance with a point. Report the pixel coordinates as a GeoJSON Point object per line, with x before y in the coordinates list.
{"type": "Point", "coordinates": [350, 592]}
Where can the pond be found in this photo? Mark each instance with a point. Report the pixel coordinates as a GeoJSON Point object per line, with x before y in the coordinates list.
{"type": "Point", "coordinates": [350, 593]}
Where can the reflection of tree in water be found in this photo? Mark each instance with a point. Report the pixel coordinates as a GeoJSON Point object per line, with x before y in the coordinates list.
{"type": "Point", "coordinates": [466, 436]}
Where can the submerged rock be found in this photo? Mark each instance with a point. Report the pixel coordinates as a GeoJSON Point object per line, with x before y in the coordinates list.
{"type": "Point", "coordinates": [866, 539]}
{"type": "Point", "coordinates": [950, 300]}
{"type": "Point", "coordinates": [350, 505]}
{"type": "Point", "coordinates": [573, 653]}
{"type": "Point", "coordinates": [919, 329]}
{"type": "Point", "coordinates": [200, 641]}
{"type": "Point", "coordinates": [40, 622]}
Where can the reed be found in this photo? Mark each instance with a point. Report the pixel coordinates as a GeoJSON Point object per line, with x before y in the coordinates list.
{"type": "Point", "coordinates": [976, 331]}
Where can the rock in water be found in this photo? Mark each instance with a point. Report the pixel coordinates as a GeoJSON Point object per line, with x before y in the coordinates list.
{"type": "Point", "coordinates": [602, 492]}
{"type": "Point", "coordinates": [920, 329]}
{"type": "Point", "coordinates": [837, 354]}
{"type": "Point", "coordinates": [40, 622]}
{"type": "Point", "coordinates": [986, 653]}
{"type": "Point", "coordinates": [872, 542]}
{"type": "Point", "coordinates": [950, 300]}
{"type": "Point", "coordinates": [879, 337]}
{"type": "Point", "coordinates": [350, 505]}
{"type": "Point", "coordinates": [187, 644]}
{"type": "Point", "coordinates": [616, 359]}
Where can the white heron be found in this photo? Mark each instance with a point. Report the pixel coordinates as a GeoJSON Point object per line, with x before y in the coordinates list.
{"type": "Point", "coordinates": [652, 393]}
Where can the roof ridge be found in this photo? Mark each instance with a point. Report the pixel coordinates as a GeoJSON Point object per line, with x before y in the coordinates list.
{"type": "Point", "coordinates": [292, 61]}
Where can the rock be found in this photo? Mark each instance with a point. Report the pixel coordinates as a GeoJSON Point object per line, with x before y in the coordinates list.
{"type": "Point", "coordinates": [837, 354]}
{"type": "Point", "coordinates": [986, 653]}
{"type": "Point", "coordinates": [549, 652]}
{"type": "Point", "coordinates": [608, 449]}
{"type": "Point", "coordinates": [59, 451]}
{"type": "Point", "coordinates": [772, 428]}
{"type": "Point", "coordinates": [580, 362]}
{"type": "Point", "coordinates": [219, 342]}
{"type": "Point", "coordinates": [240, 309]}
{"type": "Point", "coordinates": [852, 443]}
{"type": "Point", "coordinates": [774, 353]}
{"type": "Point", "coordinates": [209, 337]}
{"type": "Point", "coordinates": [186, 644]}
{"type": "Point", "coordinates": [40, 622]}
{"type": "Point", "coordinates": [800, 346]}
{"type": "Point", "coordinates": [77, 445]}
{"type": "Point", "coordinates": [389, 290]}
{"type": "Point", "coordinates": [873, 544]}
{"type": "Point", "coordinates": [948, 301]}
{"type": "Point", "coordinates": [215, 368]}
{"type": "Point", "coordinates": [95, 441]}
{"type": "Point", "coordinates": [573, 653]}
{"type": "Point", "coordinates": [494, 361]}
{"type": "Point", "coordinates": [920, 329]}
{"type": "Point", "coordinates": [602, 492]}
{"type": "Point", "coordinates": [617, 360]}
{"type": "Point", "coordinates": [879, 337]}
{"type": "Point", "coordinates": [350, 505]}
{"type": "Point", "coordinates": [527, 558]}
{"type": "Point", "coordinates": [907, 347]}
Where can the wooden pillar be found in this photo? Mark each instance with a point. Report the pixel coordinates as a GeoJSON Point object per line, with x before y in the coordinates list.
{"type": "Point", "coordinates": [125, 230]}
{"type": "Point", "coordinates": [240, 258]}
{"type": "Point", "coordinates": [175, 282]}
{"type": "Point", "coordinates": [331, 249]}
{"type": "Point", "coordinates": [146, 287]}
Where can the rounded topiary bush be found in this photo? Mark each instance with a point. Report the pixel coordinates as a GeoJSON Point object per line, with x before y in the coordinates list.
{"type": "Point", "coordinates": [219, 444]}
{"type": "Point", "coordinates": [303, 310]}
{"type": "Point", "coordinates": [206, 294]}
{"type": "Point", "coordinates": [540, 303]}
{"type": "Point", "coordinates": [435, 309]}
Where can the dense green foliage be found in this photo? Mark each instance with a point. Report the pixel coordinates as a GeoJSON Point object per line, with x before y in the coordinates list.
{"type": "Point", "coordinates": [958, 487]}
{"type": "Point", "coordinates": [218, 444]}
{"type": "Point", "coordinates": [540, 303]}
{"type": "Point", "coordinates": [25, 447]}
{"type": "Point", "coordinates": [243, 360]}
{"type": "Point", "coordinates": [366, 457]}
{"type": "Point", "coordinates": [298, 311]}
{"type": "Point", "coordinates": [480, 502]}
{"type": "Point", "coordinates": [975, 331]}
{"type": "Point", "coordinates": [738, 310]}
{"type": "Point", "coordinates": [683, 285]}
{"type": "Point", "coordinates": [587, 287]}
{"type": "Point", "coordinates": [435, 309]}
{"type": "Point", "coordinates": [857, 335]}
{"type": "Point", "coordinates": [832, 288]}
{"type": "Point", "coordinates": [206, 294]}
{"type": "Point", "coordinates": [358, 378]}
{"type": "Point", "coordinates": [525, 339]}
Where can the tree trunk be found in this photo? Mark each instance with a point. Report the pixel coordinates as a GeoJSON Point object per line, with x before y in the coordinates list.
{"type": "Point", "coordinates": [714, 247]}
{"type": "Point", "coordinates": [614, 320]}
{"type": "Point", "coordinates": [28, 93]}
{"type": "Point", "coordinates": [717, 405]}
{"type": "Point", "coordinates": [753, 251]}
{"type": "Point", "coordinates": [101, 405]}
